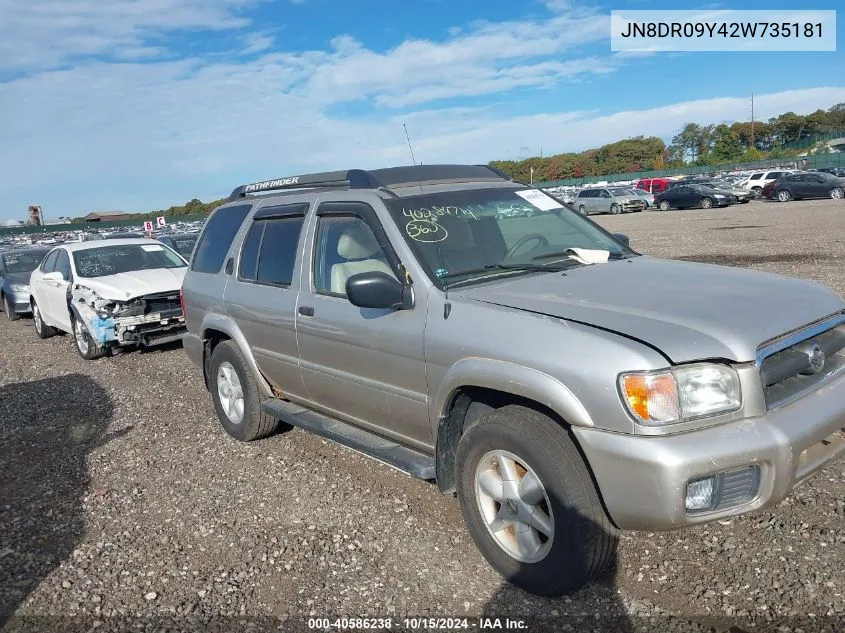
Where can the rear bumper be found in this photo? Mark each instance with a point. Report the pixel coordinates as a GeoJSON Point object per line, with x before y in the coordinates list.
{"type": "Point", "coordinates": [643, 479]}
{"type": "Point", "coordinates": [20, 302]}
{"type": "Point", "coordinates": [192, 344]}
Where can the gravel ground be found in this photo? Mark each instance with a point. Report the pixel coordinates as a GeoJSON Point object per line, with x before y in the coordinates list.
{"type": "Point", "coordinates": [124, 505]}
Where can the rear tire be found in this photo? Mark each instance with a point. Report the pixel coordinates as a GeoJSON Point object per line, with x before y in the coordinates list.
{"type": "Point", "coordinates": [41, 329]}
{"type": "Point", "coordinates": [9, 309]}
{"type": "Point", "coordinates": [783, 196]}
{"type": "Point", "coordinates": [567, 539]}
{"type": "Point", "coordinates": [582, 210]}
{"type": "Point", "coordinates": [664, 205]}
{"type": "Point", "coordinates": [237, 398]}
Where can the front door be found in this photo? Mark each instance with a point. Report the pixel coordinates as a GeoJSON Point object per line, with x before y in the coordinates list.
{"type": "Point", "coordinates": [364, 365]}
{"type": "Point", "coordinates": [52, 295]}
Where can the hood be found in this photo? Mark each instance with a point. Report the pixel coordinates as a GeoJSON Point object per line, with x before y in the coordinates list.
{"type": "Point", "coordinates": [123, 286]}
{"type": "Point", "coordinates": [689, 311]}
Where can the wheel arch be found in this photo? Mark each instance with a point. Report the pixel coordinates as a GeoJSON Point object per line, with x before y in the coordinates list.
{"type": "Point", "coordinates": [473, 387]}
{"type": "Point", "coordinates": [217, 328]}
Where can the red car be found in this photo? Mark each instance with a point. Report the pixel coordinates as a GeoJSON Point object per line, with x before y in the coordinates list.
{"type": "Point", "coordinates": [769, 189]}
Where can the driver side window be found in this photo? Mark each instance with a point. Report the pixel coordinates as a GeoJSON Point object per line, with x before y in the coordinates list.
{"type": "Point", "coordinates": [49, 263]}
{"type": "Point", "coordinates": [345, 246]}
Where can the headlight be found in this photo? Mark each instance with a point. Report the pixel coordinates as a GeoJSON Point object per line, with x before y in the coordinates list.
{"type": "Point", "coordinates": [669, 396]}
{"type": "Point", "coordinates": [19, 288]}
{"type": "Point", "coordinates": [718, 195]}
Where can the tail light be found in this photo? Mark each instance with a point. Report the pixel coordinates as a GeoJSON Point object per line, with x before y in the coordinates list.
{"type": "Point", "coordinates": [182, 300]}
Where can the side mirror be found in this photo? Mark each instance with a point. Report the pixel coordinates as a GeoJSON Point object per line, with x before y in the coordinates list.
{"type": "Point", "coordinates": [623, 238]}
{"type": "Point", "coordinates": [378, 290]}
{"type": "Point", "coordinates": [53, 276]}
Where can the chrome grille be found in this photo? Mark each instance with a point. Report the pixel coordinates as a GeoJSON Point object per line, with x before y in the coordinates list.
{"type": "Point", "coordinates": [787, 373]}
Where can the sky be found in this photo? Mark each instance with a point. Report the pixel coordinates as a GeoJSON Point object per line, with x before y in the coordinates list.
{"type": "Point", "coordinates": [138, 105]}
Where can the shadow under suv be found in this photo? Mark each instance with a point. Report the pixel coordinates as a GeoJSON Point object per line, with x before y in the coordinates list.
{"type": "Point", "coordinates": [562, 385]}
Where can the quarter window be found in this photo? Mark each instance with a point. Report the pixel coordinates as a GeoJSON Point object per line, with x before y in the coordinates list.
{"type": "Point", "coordinates": [220, 230]}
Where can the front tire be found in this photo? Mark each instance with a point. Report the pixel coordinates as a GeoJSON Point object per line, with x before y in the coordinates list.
{"type": "Point", "coordinates": [237, 399]}
{"type": "Point", "coordinates": [706, 203]}
{"type": "Point", "coordinates": [41, 329]}
{"type": "Point", "coordinates": [530, 504]}
{"type": "Point", "coordinates": [614, 209]}
{"type": "Point", "coordinates": [87, 347]}
{"type": "Point", "coordinates": [9, 309]}
{"type": "Point", "coordinates": [837, 193]}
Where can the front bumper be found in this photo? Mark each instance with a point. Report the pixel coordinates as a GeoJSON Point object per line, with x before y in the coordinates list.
{"type": "Point", "coordinates": [643, 479]}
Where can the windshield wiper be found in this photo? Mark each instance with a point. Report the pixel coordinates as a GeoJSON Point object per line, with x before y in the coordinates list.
{"type": "Point", "coordinates": [506, 268]}
{"type": "Point", "coordinates": [613, 255]}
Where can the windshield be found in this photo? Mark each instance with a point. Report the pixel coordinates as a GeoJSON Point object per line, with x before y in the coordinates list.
{"type": "Point", "coordinates": [464, 235]}
{"type": "Point", "coordinates": [22, 262]}
{"type": "Point", "coordinates": [124, 258]}
{"type": "Point", "coordinates": [620, 192]}
{"type": "Point", "coordinates": [184, 245]}
{"type": "Point", "coordinates": [640, 192]}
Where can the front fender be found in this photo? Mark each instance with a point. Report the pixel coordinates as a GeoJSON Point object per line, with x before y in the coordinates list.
{"type": "Point", "coordinates": [227, 326]}
{"type": "Point", "coordinates": [509, 378]}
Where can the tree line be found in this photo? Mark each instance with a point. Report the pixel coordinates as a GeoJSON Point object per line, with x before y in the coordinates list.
{"type": "Point", "coordinates": [694, 144]}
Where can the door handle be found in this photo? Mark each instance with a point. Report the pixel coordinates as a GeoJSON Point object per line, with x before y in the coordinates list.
{"type": "Point", "coordinates": [306, 310]}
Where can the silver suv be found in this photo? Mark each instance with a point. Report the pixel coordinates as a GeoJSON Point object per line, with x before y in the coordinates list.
{"type": "Point", "coordinates": [562, 385]}
{"type": "Point", "coordinates": [607, 200]}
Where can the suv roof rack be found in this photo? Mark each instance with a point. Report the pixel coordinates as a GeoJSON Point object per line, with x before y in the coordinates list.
{"type": "Point", "coordinates": [387, 178]}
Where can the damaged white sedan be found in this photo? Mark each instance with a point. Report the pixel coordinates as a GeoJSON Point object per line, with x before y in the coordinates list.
{"type": "Point", "coordinates": [109, 294]}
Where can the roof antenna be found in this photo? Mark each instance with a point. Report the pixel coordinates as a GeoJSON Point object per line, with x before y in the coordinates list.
{"type": "Point", "coordinates": [410, 147]}
{"type": "Point", "coordinates": [447, 307]}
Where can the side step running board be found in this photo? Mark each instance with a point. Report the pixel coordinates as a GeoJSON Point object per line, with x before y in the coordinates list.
{"type": "Point", "coordinates": [406, 459]}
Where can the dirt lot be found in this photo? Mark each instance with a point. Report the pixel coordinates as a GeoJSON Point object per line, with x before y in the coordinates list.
{"type": "Point", "coordinates": [122, 498]}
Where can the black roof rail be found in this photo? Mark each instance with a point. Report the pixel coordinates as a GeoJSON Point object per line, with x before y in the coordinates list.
{"type": "Point", "coordinates": [385, 179]}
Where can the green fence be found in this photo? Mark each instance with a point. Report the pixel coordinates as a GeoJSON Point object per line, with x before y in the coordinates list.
{"type": "Point", "coordinates": [87, 226]}
{"type": "Point", "coordinates": [813, 140]}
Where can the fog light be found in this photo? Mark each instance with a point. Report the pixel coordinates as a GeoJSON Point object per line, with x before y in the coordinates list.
{"type": "Point", "coordinates": [700, 494]}
{"type": "Point", "coordinates": [724, 490]}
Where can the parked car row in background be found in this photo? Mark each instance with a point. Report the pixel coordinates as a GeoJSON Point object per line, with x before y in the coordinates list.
{"type": "Point", "coordinates": [348, 304]}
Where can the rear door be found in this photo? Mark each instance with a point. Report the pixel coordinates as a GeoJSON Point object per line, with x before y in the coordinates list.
{"type": "Point", "coordinates": [262, 292]}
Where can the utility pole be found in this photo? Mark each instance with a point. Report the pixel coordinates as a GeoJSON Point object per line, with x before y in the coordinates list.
{"type": "Point", "coordinates": [752, 120]}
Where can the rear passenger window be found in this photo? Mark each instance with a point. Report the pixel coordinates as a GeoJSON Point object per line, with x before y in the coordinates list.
{"type": "Point", "coordinates": [217, 237]}
{"type": "Point", "coordinates": [277, 254]}
{"type": "Point", "coordinates": [756, 176]}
